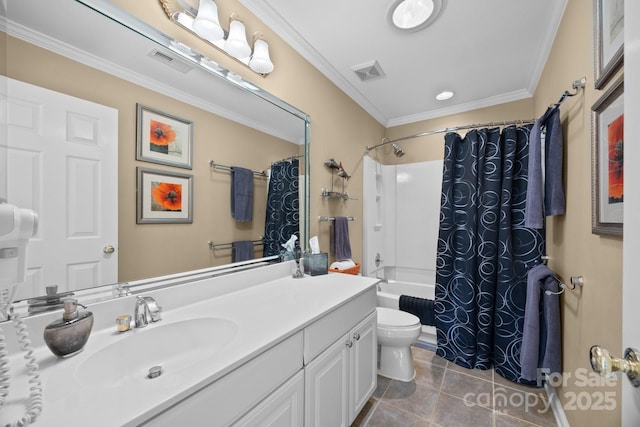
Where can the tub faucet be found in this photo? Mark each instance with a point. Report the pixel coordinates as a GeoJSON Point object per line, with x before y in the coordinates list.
{"type": "Point", "coordinates": [144, 306]}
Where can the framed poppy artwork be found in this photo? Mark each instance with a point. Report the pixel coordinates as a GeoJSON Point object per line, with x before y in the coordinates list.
{"type": "Point", "coordinates": [607, 198]}
{"type": "Point", "coordinates": [164, 197]}
{"type": "Point", "coordinates": [608, 35]}
{"type": "Point", "coordinates": [164, 138]}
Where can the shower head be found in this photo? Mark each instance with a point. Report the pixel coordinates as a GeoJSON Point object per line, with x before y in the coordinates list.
{"type": "Point", "coordinates": [397, 150]}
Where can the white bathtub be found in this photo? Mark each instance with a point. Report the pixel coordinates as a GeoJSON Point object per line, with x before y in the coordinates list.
{"type": "Point", "coordinates": [389, 296]}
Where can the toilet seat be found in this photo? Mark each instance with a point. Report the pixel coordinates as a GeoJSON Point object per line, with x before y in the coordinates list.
{"type": "Point", "coordinates": [391, 318]}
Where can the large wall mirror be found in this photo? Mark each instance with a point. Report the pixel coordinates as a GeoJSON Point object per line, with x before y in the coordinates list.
{"type": "Point", "coordinates": [97, 53]}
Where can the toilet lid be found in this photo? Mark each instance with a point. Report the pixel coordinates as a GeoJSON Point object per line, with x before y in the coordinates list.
{"type": "Point", "coordinates": [391, 317]}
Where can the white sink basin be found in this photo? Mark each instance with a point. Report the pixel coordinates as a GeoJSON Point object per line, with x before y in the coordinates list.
{"type": "Point", "coordinates": [174, 346]}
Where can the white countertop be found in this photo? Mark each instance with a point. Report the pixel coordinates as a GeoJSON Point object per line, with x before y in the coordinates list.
{"type": "Point", "coordinates": [265, 315]}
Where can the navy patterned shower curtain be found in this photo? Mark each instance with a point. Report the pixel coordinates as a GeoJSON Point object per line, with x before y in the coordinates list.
{"type": "Point", "coordinates": [484, 250]}
{"type": "Point", "coordinates": [283, 202]}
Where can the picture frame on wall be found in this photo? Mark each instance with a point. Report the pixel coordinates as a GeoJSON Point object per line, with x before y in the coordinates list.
{"type": "Point", "coordinates": [164, 197]}
{"type": "Point", "coordinates": [607, 198]}
{"type": "Point", "coordinates": [163, 138]}
{"type": "Point", "coordinates": [608, 38]}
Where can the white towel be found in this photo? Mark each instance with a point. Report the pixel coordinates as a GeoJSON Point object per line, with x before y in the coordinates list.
{"type": "Point", "coordinates": [343, 265]}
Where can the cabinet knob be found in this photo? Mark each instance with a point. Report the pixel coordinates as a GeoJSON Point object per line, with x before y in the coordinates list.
{"type": "Point", "coordinates": [349, 343]}
{"type": "Point", "coordinates": [356, 336]}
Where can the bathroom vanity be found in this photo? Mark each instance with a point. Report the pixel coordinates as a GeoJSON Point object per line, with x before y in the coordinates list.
{"type": "Point", "coordinates": [250, 348]}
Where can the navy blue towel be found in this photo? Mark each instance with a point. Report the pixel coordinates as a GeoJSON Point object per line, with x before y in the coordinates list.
{"type": "Point", "coordinates": [241, 251]}
{"type": "Point", "coordinates": [421, 307]}
{"type": "Point", "coordinates": [340, 244]}
{"type": "Point", "coordinates": [541, 335]}
{"type": "Point", "coordinates": [241, 194]}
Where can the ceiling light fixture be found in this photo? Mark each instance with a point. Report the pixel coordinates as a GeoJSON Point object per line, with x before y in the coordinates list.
{"type": "Point", "coordinates": [444, 95]}
{"type": "Point", "coordinates": [413, 15]}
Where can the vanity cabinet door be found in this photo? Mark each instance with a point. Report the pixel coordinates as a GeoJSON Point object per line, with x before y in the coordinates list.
{"type": "Point", "coordinates": [364, 364]}
{"type": "Point", "coordinates": [327, 386]}
{"type": "Point", "coordinates": [283, 408]}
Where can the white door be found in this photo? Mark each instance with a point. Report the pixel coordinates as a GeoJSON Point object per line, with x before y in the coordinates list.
{"type": "Point", "coordinates": [62, 163]}
{"type": "Point", "coordinates": [631, 244]}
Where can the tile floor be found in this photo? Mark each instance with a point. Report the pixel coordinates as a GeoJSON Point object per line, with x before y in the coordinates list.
{"type": "Point", "coordinates": [444, 394]}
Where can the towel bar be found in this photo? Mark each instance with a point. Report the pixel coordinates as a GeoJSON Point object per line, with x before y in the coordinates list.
{"type": "Point", "coordinates": [214, 165]}
{"type": "Point", "coordinates": [333, 218]}
{"type": "Point", "coordinates": [214, 246]}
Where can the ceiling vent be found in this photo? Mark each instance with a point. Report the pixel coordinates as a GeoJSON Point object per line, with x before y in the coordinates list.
{"type": "Point", "coordinates": [369, 71]}
{"type": "Point", "coordinates": [181, 66]}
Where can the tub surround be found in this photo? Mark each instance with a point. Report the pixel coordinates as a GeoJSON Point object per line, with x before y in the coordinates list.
{"type": "Point", "coordinates": [267, 306]}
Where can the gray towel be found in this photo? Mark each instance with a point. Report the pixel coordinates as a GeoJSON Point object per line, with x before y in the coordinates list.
{"type": "Point", "coordinates": [241, 251]}
{"type": "Point", "coordinates": [550, 202]}
{"type": "Point", "coordinates": [541, 338]}
{"type": "Point", "coordinates": [241, 194]}
{"type": "Point", "coordinates": [340, 245]}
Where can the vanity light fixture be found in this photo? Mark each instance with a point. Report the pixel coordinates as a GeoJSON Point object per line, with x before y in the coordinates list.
{"type": "Point", "coordinates": [204, 23]}
{"type": "Point", "coordinates": [236, 44]}
{"type": "Point", "coordinates": [413, 15]}
{"type": "Point", "coordinates": [444, 95]}
{"type": "Point", "coordinates": [260, 61]}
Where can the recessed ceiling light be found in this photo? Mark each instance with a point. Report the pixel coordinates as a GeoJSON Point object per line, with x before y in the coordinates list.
{"type": "Point", "coordinates": [444, 95]}
{"type": "Point", "coordinates": [413, 15]}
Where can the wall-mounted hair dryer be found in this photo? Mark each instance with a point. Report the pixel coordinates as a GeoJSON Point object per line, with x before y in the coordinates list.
{"type": "Point", "coordinates": [17, 226]}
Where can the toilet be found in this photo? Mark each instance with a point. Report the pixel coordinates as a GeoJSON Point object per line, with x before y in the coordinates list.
{"type": "Point", "coordinates": [396, 331]}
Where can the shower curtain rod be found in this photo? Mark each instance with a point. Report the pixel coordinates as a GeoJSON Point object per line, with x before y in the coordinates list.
{"type": "Point", "coordinates": [386, 140]}
{"type": "Point", "coordinates": [577, 85]}
{"type": "Point", "coordinates": [286, 159]}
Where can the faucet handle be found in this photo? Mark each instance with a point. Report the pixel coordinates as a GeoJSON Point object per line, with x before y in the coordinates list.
{"type": "Point", "coordinates": [154, 309]}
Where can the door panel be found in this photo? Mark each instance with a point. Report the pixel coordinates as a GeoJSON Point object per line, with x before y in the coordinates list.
{"type": "Point", "coordinates": [74, 144]}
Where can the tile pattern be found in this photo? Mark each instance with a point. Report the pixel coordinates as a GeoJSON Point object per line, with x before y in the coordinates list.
{"type": "Point", "coordinates": [444, 394]}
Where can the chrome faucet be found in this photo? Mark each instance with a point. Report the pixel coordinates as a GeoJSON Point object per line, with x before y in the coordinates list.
{"type": "Point", "coordinates": [144, 306]}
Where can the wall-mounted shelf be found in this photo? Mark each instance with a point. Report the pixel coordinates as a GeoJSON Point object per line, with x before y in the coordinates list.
{"type": "Point", "coordinates": [336, 169]}
{"type": "Point", "coordinates": [335, 195]}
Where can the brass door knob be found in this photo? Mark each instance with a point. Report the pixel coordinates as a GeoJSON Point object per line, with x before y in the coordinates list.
{"type": "Point", "coordinates": [108, 249]}
{"type": "Point", "coordinates": [603, 363]}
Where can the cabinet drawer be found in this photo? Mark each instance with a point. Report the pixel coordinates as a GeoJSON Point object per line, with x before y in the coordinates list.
{"type": "Point", "coordinates": [329, 328]}
{"type": "Point", "coordinates": [224, 401]}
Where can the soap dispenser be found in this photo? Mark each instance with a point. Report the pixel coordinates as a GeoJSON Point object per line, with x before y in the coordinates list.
{"type": "Point", "coordinates": [67, 336]}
